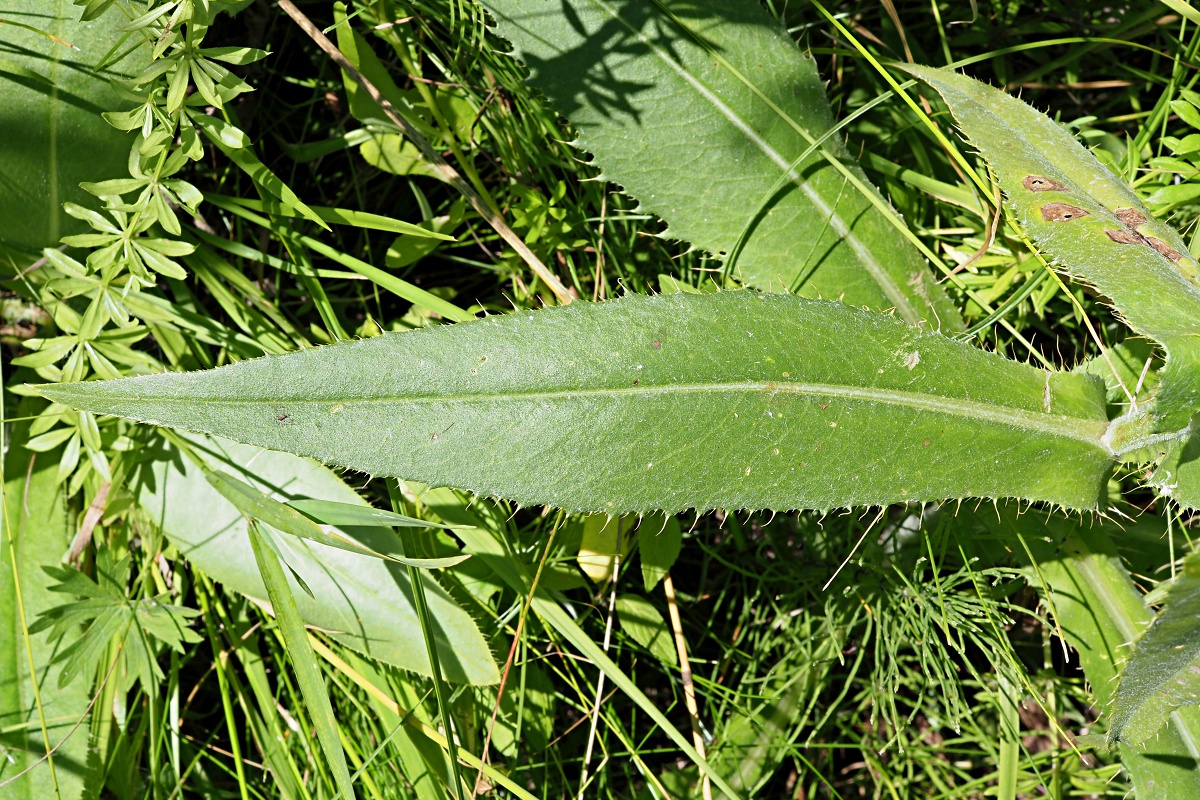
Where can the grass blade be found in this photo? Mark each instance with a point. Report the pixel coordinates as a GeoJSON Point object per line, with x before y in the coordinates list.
{"type": "Point", "coordinates": [284, 518]}
{"type": "Point", "coordinates": [308, 674]}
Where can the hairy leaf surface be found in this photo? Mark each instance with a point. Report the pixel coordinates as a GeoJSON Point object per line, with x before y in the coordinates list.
{"type": "Point", "coordinates": [1163, 673]}
{"type": "Point", "coordinates": [1091, 224]}
{"type": "Point", "coordinates": [367, 601]}
{"type": "Point", "coordinates": [734, 400]}
{"type": "Point", "coordinates": [698, 109]}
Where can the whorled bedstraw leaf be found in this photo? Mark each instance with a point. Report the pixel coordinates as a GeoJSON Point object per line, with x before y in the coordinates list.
{"type": "Point", "coordinates": [1163, 673]}
{"type": "Point", "coordinates": [1091, 224]}
{"type": "Point", "coordinates": [732, 400]}
{"type": "Point", "coordinates": [697, 108]}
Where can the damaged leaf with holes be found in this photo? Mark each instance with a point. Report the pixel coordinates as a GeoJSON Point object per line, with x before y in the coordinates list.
{"type": "Point", "coordinates": [1091, 225]}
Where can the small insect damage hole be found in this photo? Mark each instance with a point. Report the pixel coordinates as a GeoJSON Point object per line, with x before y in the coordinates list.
{"type": "Point", "coordinates": [1061, 212]}
{"type": "Point", "coordinates": [1124, 236]}
{"type": "Point", "coordinates": [1038, 183]}
{"type": "Point", "coordinates": [1130, 217]}
{"type": "Point", "coordinates": [1163, 248]}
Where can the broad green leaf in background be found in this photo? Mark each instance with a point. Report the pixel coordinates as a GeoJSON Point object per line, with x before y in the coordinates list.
{"type": "Point", "coordinates": [53, 135]}
{"type": "Point", "coordinates": [359, 53]}
{"type": "Point", "coordinates": [645, 624]}
{"type": "Point", "coordinates": [1163, 673]}
{"type": "Point", "coordinates": [368, 601]}
{"type": "Point", "coordinates": [733, 400]}
{"type": "Point", "coordinates": [392, 153]}
{"type": "Point", "coordinates": [1094, 603]}
{"type": "Point", "coordinates": [410, 249]}
{"type": "Point", "coordinates": [659, 543]}
{"type": "Point", "coordinates": [1091, 224]}
{"type": "Point", "coordinates": [37, 529]}
{"type": "Point", "coordinates": [697, 109]}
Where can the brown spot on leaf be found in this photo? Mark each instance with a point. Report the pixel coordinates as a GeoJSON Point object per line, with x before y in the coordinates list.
{"type": "Point", "coordinates": [1163, 248]}
{"type": "Point", "coordinates": [1037, 183]}
{"type": "Point", "coordinates": [1124, 236]}
{"type": "Point", "coordinates": [1061, 212]}
{"type": "Point", "coordinates": [1130, 217]}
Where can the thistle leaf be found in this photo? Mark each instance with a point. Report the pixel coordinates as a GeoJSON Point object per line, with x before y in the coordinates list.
{"type": "Point", "coordinates": [698, 109]}
{"type": "Point", "coordinates": [1091, 224]}
{"type": "Point", "coordinates": [734, 400]}
{"type": "Point", "coordinates": [1163, 673]}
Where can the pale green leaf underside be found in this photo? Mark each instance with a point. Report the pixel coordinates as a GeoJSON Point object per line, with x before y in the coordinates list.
{"type": "Point", "coordinates": [1157, 294]}
{"type": "Point", "coordinates": [734, 400]}
{"type": "Point", "coordinates": [1163, 673]}
{"type": "Point", "coordinates": [367, 602]}
{"type": "Point", "coordinates": [697, 109]}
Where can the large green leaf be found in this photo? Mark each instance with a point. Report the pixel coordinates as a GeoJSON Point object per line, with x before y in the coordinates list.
{"type": "Point", "coordinates": [1096, 230]}
{"type": "Point", "coordinates": [53, 135]}
{"type": "Point", "coordinates": [735, 400]}
{"type": "Point", "coordinates": [367, 601]}
{"type": "Point", "coordinates": [1163, 673]}
{"type": "Point", "coordinates": [37, 530]}
{"type": "Point", "coordinates": [698, 108]}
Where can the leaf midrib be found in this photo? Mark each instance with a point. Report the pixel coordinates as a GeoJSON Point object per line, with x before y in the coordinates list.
{"type": "Point", "coordinates": [1080, 429]}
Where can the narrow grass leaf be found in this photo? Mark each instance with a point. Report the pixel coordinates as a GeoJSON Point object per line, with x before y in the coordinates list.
{"type": "Point", "coordinates": [308, 674]}
{"type": "Point", "coordinates": [347, 514]}
{"type": "Point", "coordinates": [342, 216]}
{"type": "Point", "coordinates": [282, 517]}
{"type": "Point", "coordinates": [697, 109]}
{"type": "Point", "coordinates": [258, 172]}
{"type": "Point", "coordinates": [732, 400]}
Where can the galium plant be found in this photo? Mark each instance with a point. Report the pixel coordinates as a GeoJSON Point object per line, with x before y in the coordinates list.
{"type": "Point", "coordinates": [842, 377]}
